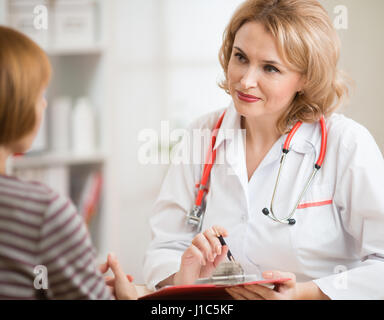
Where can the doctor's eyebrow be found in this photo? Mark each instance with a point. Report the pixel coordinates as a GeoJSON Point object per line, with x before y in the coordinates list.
{"type": "Point", "coordinates": [265, 61]}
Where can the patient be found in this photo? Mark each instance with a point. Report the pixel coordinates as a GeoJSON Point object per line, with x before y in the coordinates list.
{"type": "Point", "coordinates": [41, 234]}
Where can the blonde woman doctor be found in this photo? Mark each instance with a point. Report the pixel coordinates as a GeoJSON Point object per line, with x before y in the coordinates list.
{"type": "Point", "coordinates": [280, 64]}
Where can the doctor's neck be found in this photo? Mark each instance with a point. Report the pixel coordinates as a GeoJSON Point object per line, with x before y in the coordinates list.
{"type": "Point", "coordinates": [260, 131]}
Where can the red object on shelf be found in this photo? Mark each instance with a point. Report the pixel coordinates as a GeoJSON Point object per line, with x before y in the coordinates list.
{"type": "Point", "coordinates": [91, 203]}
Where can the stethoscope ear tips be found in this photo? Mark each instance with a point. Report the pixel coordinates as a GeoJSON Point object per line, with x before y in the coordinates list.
{"type": "Point", "coordinates": [291, 221]}
{"type": "Point", "coordinates": [265, 211]}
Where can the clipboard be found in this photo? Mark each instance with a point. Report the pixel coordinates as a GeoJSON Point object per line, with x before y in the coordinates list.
{"type": "Point", "coordinates": [203, 291]}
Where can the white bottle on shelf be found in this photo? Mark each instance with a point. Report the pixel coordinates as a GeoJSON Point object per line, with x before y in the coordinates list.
{"type": "Point", "coordinates": [61, 124]}
{"type": "Point", "coordinates": [40, 143]}
{"type": "Point", "coordinates": [83, 124]}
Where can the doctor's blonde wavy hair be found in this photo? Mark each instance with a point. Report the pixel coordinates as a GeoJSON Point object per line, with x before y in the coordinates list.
{"type": "Point", "coordinates": [308, 43]}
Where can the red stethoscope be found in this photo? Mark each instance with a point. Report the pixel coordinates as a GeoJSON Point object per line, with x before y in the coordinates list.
{"type": "Point", "coordinates": [196, 215]}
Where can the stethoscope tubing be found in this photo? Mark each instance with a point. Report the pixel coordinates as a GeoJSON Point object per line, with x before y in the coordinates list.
{"type": "Point", "coordinates": [209, 161]}
{"type": "Point", "coordinates": [196, 215]}
{"type": "Point", "coordinates": [288, 220]}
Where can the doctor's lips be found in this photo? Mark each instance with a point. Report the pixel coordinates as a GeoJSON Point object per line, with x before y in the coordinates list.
{"type": "Point", "coordinates": [247, 97]}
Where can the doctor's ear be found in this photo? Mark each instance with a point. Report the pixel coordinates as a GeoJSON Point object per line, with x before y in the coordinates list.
{"type": "Point", "coordinates": [302, 84]}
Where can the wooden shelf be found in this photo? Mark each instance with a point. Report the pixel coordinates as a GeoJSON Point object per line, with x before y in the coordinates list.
{"type": "Point", "coordinates": [56, 159]}
{"type": "Point", "coordinates": [91, 50]}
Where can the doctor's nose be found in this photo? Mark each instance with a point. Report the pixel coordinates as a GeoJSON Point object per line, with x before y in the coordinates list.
{"type": "Point", "coordinates": [250, 79]}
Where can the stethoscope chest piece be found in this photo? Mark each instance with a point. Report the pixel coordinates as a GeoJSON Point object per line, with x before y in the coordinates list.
{"type": "Point", "coordinates": [195, 217]}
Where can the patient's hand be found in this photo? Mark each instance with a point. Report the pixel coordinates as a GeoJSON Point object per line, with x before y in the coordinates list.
{"type": "Point", "coordinates": [121, 285]}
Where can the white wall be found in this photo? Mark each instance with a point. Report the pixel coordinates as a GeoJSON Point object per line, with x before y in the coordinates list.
{"type": "Point", "coordinates": [362, 57]}
{"type": "Point", "coordinates": [3, 10]}
{"type": "Point", "coordinates": [166, 67]}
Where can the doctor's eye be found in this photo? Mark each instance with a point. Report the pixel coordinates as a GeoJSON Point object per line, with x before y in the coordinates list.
{"type": "Point", "coordinates": [240, 57]}
{"type": "Point", "coordinates": [270, 69]}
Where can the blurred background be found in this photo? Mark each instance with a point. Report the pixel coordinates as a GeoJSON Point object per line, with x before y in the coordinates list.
{"type": "Point", "coordinates": [124, 66]}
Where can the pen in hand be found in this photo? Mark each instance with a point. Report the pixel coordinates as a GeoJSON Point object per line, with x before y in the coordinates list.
{"type": "Point", "coordinates": [222, 241]}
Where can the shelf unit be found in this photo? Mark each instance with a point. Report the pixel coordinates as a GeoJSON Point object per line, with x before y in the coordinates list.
{"type": "Point", "coordinates": [80, 70]}
{"type": "Point", "coordinates": [55, 159]}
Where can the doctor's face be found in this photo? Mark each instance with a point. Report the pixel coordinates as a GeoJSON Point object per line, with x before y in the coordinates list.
{"type": "Point", "coordinates": [258, 81]}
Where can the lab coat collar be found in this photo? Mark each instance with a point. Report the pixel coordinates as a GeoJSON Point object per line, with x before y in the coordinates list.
{"type": "Point", "coordinates": [304, 141]}
{"type": "Point", "coordinates": [229, 127]}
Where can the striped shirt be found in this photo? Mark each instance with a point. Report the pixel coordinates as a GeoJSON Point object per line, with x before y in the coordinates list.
{"type": "Point", "coordinates": [45, 248]}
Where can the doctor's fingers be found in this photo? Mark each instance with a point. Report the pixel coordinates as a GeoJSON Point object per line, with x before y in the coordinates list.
{"type": "Point", "coordinates": [204, 245]}
{"type": "Point", "coordinates": [212, 236]}
{"type": "Point", "coordinates": [291, 277]}
{"type": "Point", "coordinates": [216, 229]}
{"type": "Point", "coordinates": [191, 256]}
{"type": "Point", "coordinates": [221, 256]}
{"type": "Point", "coordinates": [262, 291]}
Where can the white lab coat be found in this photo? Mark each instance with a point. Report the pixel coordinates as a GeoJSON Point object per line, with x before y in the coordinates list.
{"type": "Point", "coordinates": [338, 238]}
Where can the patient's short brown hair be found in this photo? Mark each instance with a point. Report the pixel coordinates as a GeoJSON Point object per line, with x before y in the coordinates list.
{"type": "Point", "coordinates": [25, 70]}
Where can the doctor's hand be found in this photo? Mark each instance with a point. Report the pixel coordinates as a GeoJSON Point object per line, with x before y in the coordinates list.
{"type": "Point", "coordinates": [202, 257]}
{"type": "Point", "coordinates": [121, 285]}
{"type": "Point", "coordinates": [288, 290]}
